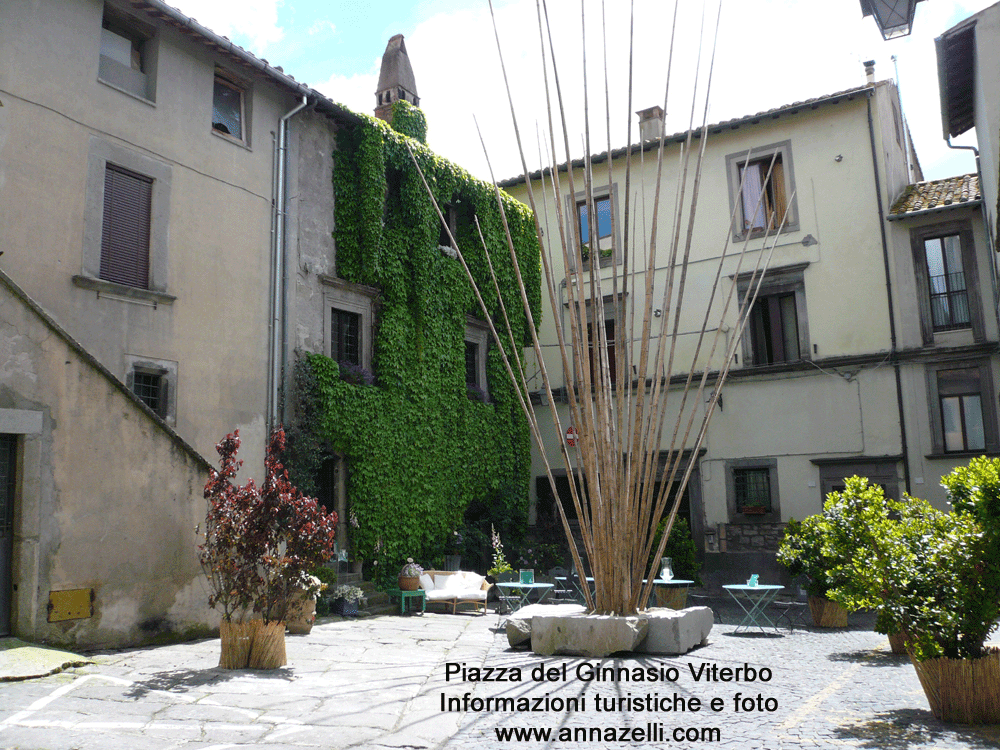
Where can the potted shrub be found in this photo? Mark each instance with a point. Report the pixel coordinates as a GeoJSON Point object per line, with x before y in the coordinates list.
{"type": "Point", "coordinates": [259, 541]}
{"type": "Point", "coordinates": [301, 612]}
{"type": "Point", "coordinates": [939, 579]}
{"type": "Point", "coordinates": [805, 551]}
{"type": "Point", "coordinates": [346, 600]}
{"type": "Point", "coordinates": [409, 576]}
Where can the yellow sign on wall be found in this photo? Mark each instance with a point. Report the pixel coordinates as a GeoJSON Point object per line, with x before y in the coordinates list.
{"type": "Point", "coordinates": [75, 604]}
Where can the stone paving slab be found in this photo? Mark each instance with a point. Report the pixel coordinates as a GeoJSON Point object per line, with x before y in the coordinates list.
{"type": "Point", "coordinates": [24, 661]}
{"type": "Point", "coordinates": [378, 683]}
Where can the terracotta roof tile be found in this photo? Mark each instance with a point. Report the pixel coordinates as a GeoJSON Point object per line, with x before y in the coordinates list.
{"type": "Point", "coordinates": [937, 195]}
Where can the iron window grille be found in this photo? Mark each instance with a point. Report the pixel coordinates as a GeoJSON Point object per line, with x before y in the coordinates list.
{"type": "Point", "coordinates": [753, 490]}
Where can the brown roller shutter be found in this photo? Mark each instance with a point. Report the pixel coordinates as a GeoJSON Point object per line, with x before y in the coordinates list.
{"type": "Point", "coordinates": [128, 200]}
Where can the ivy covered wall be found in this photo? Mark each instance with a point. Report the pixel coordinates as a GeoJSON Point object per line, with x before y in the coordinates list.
{"type": "Point", "coordinates": [420, 446]}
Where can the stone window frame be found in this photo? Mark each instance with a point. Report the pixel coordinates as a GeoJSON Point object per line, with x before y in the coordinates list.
{"type": "Point", "coordinates": [166, 370]}
{"type": "Point", "coordinates": [762, 153]}
{"type": "Point", "coordinates": [987, 398]}
{"type": "Point", "coordinates": [779, 280]}
{"type": "Point", "coordinates": [354, 298]}
{"type": "Point", "coordinates": [100, 154]}
{"type": "Point", "coordinates": [477, 332]}
{"type": "Point", "coordinates": [622, 349]}
{"type": "Point", "coordinates": [919, 235]}
{"type": "Point", "coordinates": [771, 464]}
{"type": "Point", "coordinates": [883, 471]}
{"type": "Point", "coordinates": [139, 85]}
{"type": "Point", "coordinates": [573, 202]}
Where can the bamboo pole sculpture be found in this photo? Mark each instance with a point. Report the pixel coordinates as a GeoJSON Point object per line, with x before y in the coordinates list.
{"type": "Point", "coordinates": [620, 453]}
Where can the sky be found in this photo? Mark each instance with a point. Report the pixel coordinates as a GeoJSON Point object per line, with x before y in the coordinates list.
{"type": "Point", "coordinates": [335, 46]}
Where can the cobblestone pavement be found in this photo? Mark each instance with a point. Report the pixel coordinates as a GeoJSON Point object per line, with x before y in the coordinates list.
{"type": "Point", "coordinates": [827, 689]}
{"type": "Point", "coordinates": [379, 683]}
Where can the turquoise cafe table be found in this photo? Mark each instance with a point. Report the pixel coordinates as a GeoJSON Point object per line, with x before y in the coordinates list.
{"type": "Point", "coordinates": [756, 598]}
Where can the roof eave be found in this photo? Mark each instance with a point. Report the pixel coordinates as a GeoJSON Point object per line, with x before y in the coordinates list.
{"type": "Point", "coordinates": [936, 210]}
{"type": "Point", "coordinates": [717, 127]}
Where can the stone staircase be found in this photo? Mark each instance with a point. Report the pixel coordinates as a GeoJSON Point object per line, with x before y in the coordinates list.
{"type": "Point", "coordinates": [377, 602]}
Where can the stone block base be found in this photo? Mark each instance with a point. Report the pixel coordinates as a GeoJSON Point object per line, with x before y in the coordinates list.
{"type": "Point", "coordinates": [568, 629]}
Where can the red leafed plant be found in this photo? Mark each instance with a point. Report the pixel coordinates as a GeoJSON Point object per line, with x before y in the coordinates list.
{"type": "Point", "coordinates": [260, 542]}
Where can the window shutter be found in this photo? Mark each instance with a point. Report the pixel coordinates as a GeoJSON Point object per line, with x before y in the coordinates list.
{"type": "Point", "coordinates": [128, 200]}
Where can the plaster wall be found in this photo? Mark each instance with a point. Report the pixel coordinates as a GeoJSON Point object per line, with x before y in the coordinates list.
{"type": "Point", "coordinates": [108, 497]}
{"type": "Point", "coordinates": [214, 220]}
{"type": "Point", "coordinates": [835, 206]}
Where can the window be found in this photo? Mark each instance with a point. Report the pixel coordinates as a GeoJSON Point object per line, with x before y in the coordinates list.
{"type": "Point", "coordinates": [777, 329]}
{"type": "Point", "coordinates": [593, 341]}
{"type": "Point", "coordinates": [752, 490]}
{"type": "Point", "coordinates": [150, 388]}
{"type": "Point", "coordinates": [348, 322]}
{"type": "Point", "coordinates": [451, 216]}
{"type": "Point", "coordinates": [759, 190]}
{"type": "Point", "coordinates": [345, 336]}
{"type": "Point", "coordinates": [477, 336]}
{"type": "Point", "coordinates": [128, 200]}
{"type": "Point", "coordinates": [762, 200]}
{"type": "Point", "coordinates": [472, 363]}
{"type": "Point", "coordinates": [154, 382]}
{"type": "Point", "coordinates": [126, 215]}
{"type": "Point", "coordinates": [602, 213]}
{"type": "Point", "coordinates": [228, 108]}
{"type": "Point", "coordinates": [584, 221]}
{"type": "Point", "coordinates": [128, 54]}
{"type": "Point", "coordinates": [774, 329]}
{"type": "Point", "coordinates": [949, 297]}
{"type": "Point", "coordinates": [963, 417]}
{"type": "Point", "coordinates": [960, 394]}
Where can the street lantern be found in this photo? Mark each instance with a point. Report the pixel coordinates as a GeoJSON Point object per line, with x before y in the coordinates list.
{"type": "Point", "coordinates": [894, 18]}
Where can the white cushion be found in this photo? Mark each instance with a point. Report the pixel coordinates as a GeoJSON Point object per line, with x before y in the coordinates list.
{"type": "Point", "coordinates": [456, 582]}
{"type": "Point", "coordinates": [426, 582]}
{"type": "Point", "coordinates": [439, 595]}
{"type": "Point", "coordinates": [473, 595]}
{"type": "Point", "coordinates": [474, 581]}
{"type": "Point", "coordinates": [441, 581]}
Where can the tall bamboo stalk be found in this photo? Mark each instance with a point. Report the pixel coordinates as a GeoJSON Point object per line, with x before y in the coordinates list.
{"type": "Point", "coordinates": [622, 425]}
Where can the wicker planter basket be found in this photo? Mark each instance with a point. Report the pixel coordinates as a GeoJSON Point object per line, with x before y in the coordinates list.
{"type": "Point", "coordinates": [827, 614]}
{"type": "Point", "coordinates": [237, 638]}
{"type": "Point", "coordinates": [964, 691]}
{"type": "Point", "coordinates": [409, 583]}
{"type": "Point", "coordinates": [268, 650]}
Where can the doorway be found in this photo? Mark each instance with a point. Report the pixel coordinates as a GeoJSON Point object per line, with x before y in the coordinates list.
{"type": "Point", "coordinates": [8, 456]}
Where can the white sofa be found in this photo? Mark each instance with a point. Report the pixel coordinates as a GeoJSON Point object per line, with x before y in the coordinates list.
{"type": "Point", "coordinates": [455, 587]}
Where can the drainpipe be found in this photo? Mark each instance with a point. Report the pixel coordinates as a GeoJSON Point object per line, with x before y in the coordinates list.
{"type": "Point", "coordinates": [278, 329]}
{"type": "Point", "coordinates": [888, 290]}
{"type": "Point", "coordinates": [986, 225]}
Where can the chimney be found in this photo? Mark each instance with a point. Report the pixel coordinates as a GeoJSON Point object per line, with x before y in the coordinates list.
{"type": "Point", "coordinates": [395, 80]}
{"type": "Point", "coordinates": [650, 123]}
{"type": "Point", "coordinates": [870, 70]}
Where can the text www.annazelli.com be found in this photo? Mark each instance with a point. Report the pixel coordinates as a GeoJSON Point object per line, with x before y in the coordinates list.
{"type": "Point", "coordinates": [651, 732]}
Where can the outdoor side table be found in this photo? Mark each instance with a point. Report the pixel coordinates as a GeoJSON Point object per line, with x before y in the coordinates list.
{"type": "Point", "coordinates": [757, 597]}
{"type": "Point", "coordinates": [404, 607]}
{"type": "Point", "coordinates": [523, 590]}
